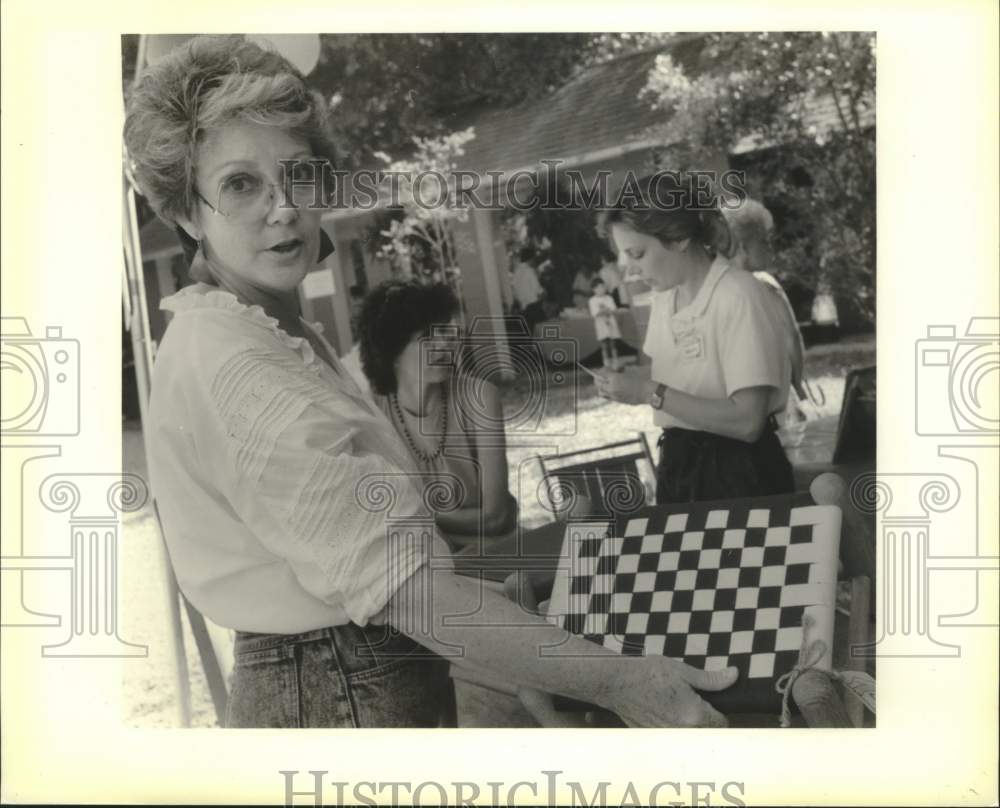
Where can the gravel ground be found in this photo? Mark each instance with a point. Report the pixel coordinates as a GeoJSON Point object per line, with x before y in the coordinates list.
{"type": "Point", "coordinates": [150, 690]}
{"type": "Point", "coordinates": [573, 417]}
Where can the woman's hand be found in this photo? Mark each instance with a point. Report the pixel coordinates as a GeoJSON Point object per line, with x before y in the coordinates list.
{"type": "Point", "coordinates": [658, 692]}
{"type": "Point", "coordinates": [626, 387]}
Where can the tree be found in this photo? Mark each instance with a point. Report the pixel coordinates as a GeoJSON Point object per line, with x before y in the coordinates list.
{"type": "Point", "coordinates": [571, 240]}
{"type": "Point", "coordinates": [800, 107]}
{"type": "Point", "coordinates": [387, 89]}
{"type": "Point", "coordinates": [418, 239]}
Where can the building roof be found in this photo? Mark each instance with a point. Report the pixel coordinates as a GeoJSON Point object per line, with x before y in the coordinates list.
{"type": "Point", "coordinates": [598, 110]}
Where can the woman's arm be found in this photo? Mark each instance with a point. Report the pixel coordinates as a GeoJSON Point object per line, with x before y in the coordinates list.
{"type": "Point", "coordinates": [751, 357]}
{"type": "Point", "coordinates": [497, 513]}
{"type": "Point", "coordinates": [741, 416]}
{"type": "Point", "coordinates": [496, 634]}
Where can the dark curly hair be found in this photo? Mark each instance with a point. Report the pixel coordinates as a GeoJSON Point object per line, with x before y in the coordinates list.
{"type": "Point", "coordinates": [393, 314]}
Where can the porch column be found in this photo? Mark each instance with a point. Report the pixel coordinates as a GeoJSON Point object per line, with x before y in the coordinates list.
{"type": "Point", "coordinates": [324, 297]}
{"type": "Point", "coordinates": [481, 283]}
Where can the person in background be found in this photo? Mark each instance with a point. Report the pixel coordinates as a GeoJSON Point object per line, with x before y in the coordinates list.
{"type": "Point", "coordinates": [752, 225]}
{"type": "Point", "coordinates": [615, 283]}
{"type": "Point", "coordinates": [719, 368]}
{"type": "Point", "coordinates": [602, 309]}
{"type": "Point", "coordinates": [527, 289]}
{"type": "Point", "coordinates": [582, 288]}
{"type": "Point", "coordinates": [551, 304]}
{"type": "Point", "coordinates": [824, 314]}
{"type": "Point", "coordinates": [452, 424]}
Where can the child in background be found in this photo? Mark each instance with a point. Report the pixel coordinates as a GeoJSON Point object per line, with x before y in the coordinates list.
{"type": "Point", "coordinates": [602, 309]}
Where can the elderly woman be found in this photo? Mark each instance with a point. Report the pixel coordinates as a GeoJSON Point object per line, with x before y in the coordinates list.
{"type": "Point", "coordinates": [273, 472]}
{"type": "Point", "coordinates": [751, 225]}
{"type": "Point", "coordinates": [720, 369]}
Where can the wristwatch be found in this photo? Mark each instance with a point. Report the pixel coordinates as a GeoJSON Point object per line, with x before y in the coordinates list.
{"type": "Point", "coordinates": [656, 397]}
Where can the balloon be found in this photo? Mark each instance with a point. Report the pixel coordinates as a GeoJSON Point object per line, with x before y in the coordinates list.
{"type": "Point", "coordinates": [159, 45]}
{"type": "Point", "coordinates": [302, 50]}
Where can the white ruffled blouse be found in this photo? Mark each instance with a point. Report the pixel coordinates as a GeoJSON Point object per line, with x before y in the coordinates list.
{"type": "Point", "coordinates": [288, 501]}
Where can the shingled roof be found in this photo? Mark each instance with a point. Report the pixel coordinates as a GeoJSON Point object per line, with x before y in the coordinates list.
{"type": "Point", "coordinates": [599, 109]}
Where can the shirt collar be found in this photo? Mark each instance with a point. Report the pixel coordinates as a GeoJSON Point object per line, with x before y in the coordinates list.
{"type": "Point", "coordinates": [696, 308]}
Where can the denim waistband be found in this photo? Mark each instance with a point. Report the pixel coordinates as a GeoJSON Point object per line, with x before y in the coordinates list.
{"type": "Point", "coordinates": [250, 641]}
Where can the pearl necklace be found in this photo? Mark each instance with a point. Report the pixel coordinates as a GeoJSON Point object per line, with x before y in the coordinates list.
{"type": "Point", "coordinates": [422, 456]}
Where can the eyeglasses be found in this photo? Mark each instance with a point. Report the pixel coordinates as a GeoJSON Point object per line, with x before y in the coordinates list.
{"type": "Point", "coordinates": [249, 195]}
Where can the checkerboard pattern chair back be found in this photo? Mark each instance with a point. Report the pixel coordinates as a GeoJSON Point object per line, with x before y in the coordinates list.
{"type": "Point", "coordinates": [713, 584]}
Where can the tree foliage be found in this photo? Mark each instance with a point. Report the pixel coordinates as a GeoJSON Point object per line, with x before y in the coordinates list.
{"type": "Point", "coordinates": [387, 89]}
{"type": "Point", "coordinates": [570, 238]}
{"type": "Point", "coordinates": [799, 110]}
{"type": "Point", "coordinates": [418, 236]}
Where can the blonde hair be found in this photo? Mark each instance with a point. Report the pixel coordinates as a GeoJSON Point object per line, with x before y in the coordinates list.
{"type": "Point", "coordinates": [201, 87]}
{"type": "Point", "coordinates": [751, 219]}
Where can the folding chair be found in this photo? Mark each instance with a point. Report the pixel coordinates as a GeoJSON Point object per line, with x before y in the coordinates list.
{"type": "Point", "coordinates": [856, 428]}
{"type": "Point", "coordinates": [814, 689]}
{"type": "Point", "coordinates": [211, 665]}
{"type": "Point", "coordinates": [608, 476]}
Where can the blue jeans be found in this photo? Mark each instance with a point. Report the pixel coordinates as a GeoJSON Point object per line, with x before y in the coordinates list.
{"type": "Point", "coordinates": [344, 676]}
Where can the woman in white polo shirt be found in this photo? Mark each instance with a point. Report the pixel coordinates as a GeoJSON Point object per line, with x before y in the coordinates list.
{"type": "Point", "coordinates": [719, 368]}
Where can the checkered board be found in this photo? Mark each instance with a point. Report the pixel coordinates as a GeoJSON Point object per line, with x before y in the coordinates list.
{"type": "Point", "coordinates": [714, 584]}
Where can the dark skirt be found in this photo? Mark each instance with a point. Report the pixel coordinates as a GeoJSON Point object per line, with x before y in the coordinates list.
{"type": "Point", "coordinates": [697, 466]}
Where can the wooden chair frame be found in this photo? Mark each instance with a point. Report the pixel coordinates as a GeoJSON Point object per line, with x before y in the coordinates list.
{"type": "Point", "coordinates": [600, 473]}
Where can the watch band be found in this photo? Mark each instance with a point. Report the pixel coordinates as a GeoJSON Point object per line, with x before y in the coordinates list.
{"type": "Point", "coordinates": [656, 399]}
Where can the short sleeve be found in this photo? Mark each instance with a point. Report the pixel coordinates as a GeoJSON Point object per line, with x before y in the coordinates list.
{"type": "Point", "coordinates": [303, 471]}
{"type": "Point", "coordinates": [752, 350]}
{"type": "Point", "coordinates": [657, 329]}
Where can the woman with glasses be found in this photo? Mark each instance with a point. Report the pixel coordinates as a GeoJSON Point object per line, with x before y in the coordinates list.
{"type": "Point", "coordinates": [720, 369]}
{"type": "Point", "coordinates": [291, 508]}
